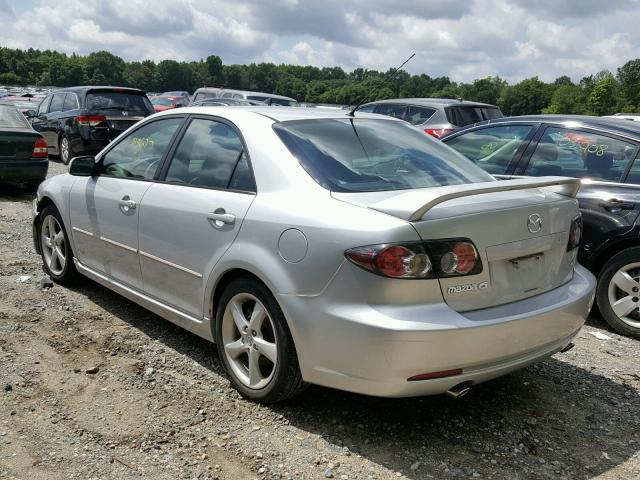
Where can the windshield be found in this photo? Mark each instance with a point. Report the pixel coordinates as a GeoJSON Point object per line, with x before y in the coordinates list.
{"type": "Point", "coordinates": [124, 101]}
{"type": "Point", "coordinates": [165, 102]}
{"type": "Point", "coordinates": [367, 155]}
{"type": "Point", "coordinates": [10, 117]}
{"type": "Point", "coordinates": [203, 95]}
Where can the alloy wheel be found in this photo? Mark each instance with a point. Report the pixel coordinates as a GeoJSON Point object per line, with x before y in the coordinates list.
{"type": "Point", "coordinates": [249, 340]}
{"type": "Point", "coordinates": [624, 294]}
{"type": "Point", "coordinates": [64, 150]}
{"type": "Point", "coordinates": [53, 244]}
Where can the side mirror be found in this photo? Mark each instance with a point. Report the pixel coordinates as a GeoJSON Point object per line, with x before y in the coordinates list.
{"type": "Point", "coordinates": [82, 166]}
{"type": "Point", "coordinates": [30, 113]}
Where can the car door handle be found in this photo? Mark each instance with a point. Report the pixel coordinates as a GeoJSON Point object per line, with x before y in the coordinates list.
{"type": "Point", "coordinates": [220, 217]}
{"type": "Point", "coordinates": [615, 204]}
{"type": "Point", "coordinates": [126, 204]}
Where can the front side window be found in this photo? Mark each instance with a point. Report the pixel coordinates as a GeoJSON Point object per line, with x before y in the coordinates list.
{"type": "Point", "coordinates": [208, 155]}
{"type": "Point", "coordinates": [139, 154]}
{"type": "Point", "coordinates": [392, 109]}
{"type": "Point", "coordinates": [366, 155]}
{"type": "Point", "coordinates": [44, 105]}
{"type": "Point", "coordinates": [57, 103]}
{"type": "Point", "coordinates": [580, 154]}
{"type": "Point", "coordinates": [492, 148]}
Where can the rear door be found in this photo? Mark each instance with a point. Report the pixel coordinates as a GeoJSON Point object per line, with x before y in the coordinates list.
{"type": "Point", "coordinates": [603, 161]}
{"type": "Point", "coordinates": [104, 209]}
{"type": "Point", "coordinates": [191, 219]}
{"type": "Point", "coordinates": [495, 148]}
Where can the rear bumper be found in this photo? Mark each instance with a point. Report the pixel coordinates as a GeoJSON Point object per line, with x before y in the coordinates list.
{"type": "Point", "coordinates": [23, 170]}
{"type": "Point", "coordinates": [374, 349]}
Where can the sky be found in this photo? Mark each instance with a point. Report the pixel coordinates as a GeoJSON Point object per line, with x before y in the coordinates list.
{"type": "Point", "coordinates": [464, 40]}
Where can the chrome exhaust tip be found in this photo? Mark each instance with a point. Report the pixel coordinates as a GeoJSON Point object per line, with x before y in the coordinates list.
{"type": "Point", "coordinates": [569, 346]}
{"type": "Point", "coordinates": [458, 391]}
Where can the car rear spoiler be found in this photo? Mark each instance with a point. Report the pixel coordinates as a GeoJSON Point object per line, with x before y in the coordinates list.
{"type": "Point", "coordinates": [430, 197]}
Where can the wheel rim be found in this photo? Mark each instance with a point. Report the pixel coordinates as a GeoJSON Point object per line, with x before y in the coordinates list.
{"type": "Point", "coordinates": [249, 340]}
{"type": "Point", "coordinates": [64, 149]}
{"type": "Point", "coordinates": [54, 246]}
{"type": "Point", "coordinates": [624, 294]}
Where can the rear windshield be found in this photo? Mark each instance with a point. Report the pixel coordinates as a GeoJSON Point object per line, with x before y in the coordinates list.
{"type": "Point", "coordinates": [10, 117]}
{"type": "Point", "coordinates": [367, 155]}
{"type": "Point", "coordinates": [165, 102]}
{"type": "Point", "coordinates": [203, 95]}
{"type": "Point", "coordinates": [463, 115]}
{"type": "Point", "coordinates": [123, 101]}
{"type": "Point", "coordinates": [283, 102]}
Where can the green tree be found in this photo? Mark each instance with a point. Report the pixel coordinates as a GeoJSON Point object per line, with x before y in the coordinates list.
{"type": "Point", "coordinates": [629, 78]}
{"type": "Point", "coordinates": [567, 99]}
{"type": "Point", "coordinates": [104, 68]}
{"type": "Point", "coordinates": [528, 97]}
{"type": "Point", "coordinates": [603, 98]}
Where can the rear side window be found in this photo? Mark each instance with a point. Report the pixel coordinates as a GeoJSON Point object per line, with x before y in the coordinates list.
{"type": "Point", "coordinates": [139, 154]}
{"type": "Point", "coordinates": [208, 155]}
{"type": "Point", "coordinates": [70, 102]}
{"type": "Point", "coordinates": [462, 115]}
{"type": "Point", "coordinates": [365, 155]}
{"type": "Point", "coordinates": [118, 101]}
{"type": "Point", "coordinates": [580, 154]}
{"type": "Point", "coordinates": [492, 148]}
{"type": "Point", "coordinates": [418, 115]}
{"type": "Point", "coordinates": [57, 102]}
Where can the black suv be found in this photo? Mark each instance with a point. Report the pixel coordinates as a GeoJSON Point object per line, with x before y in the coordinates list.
{"type": "Point", "coordinates": [83, 120]}
{"type": "Point", "coordinates": [604, 152]}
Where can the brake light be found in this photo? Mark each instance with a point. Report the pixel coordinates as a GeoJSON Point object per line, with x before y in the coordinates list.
{"type": "Point", "coordinates": [438, 132]}
{"type": "Point", "coordinates": [413, 260]}
{"type": "Point", "coordinates": [575, 233]}
{"type": "Point", "coordinates": [90, 120]}
{"type": "Point", "coordinates": [40, 149]}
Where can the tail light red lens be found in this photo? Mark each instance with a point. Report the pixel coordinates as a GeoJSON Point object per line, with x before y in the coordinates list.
{"type": "Point", "coordinates": [438, 132]}
{"type": "Point", "coordinates": [575, 233]}
{"type": "Point", "coordinates": [39, 149]}
{"type": "Point", "coordinates": [435, 258]}
{"type": "Point", "coordinates": [90, 120]}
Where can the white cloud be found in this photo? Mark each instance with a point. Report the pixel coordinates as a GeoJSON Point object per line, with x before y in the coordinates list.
{"type": "Point", "coordinates": [464, 39]}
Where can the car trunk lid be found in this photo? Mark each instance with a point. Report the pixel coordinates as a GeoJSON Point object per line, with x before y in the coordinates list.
{"type": "Point", "coordinates": [17, 144]}
{"type": "Point", "coordinates": [519, 227]}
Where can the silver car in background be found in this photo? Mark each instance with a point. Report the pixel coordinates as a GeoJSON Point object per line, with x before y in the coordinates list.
{"type": "Point", "coordinates": [436, 116]}
{"type": "Point", "coordinates": [314, 247]}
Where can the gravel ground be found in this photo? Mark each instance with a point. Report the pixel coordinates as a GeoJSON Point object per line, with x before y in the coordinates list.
{"type": "Point", "coordinates": [95, 387]}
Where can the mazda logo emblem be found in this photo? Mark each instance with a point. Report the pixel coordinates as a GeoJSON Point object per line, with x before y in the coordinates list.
{"type": "Point", "coordinates": [534, 223]}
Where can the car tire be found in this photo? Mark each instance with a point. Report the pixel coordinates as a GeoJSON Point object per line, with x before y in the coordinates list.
{"type": "Point", "coordinates": [618, 292]}
{"type": "Point", "coordinates": [55, 249]}
{"type": "Point", "coordinates": [32, 185]}
{"type": "Point", "coordinates": [64, 149]}
{"type": "Point", "coordinates": [248, 357]}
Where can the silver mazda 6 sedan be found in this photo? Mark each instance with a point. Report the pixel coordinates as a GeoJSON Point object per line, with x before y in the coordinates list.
{"type": "Point", "coordinates": [316, 247]}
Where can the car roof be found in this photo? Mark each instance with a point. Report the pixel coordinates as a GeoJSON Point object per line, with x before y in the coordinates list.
{"type": "Point", "coordinates": [86, 88]}
{"type": "Point", "coordinates": [277, 114]}
{"type": "Point", "coordinates": [427, 102]}
{"type": "Point", "coordinates": [246, 92]}
{"type": "Point", "coordinates": [619, 125]}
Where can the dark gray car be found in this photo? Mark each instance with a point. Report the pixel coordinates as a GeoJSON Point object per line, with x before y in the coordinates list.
{"type": "Point", "coordinates": [436, 116]}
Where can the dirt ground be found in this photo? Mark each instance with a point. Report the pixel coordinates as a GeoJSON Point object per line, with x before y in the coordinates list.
{"type": "Point", "coordinates": [158, 405]}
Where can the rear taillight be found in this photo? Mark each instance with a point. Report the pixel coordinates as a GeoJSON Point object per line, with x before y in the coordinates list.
{"type": "Point", "coordinates": [438, 132]}
{"type": "Point", "coordinates": [432, 259]}
{"type": "Point", "coordinates": [575, 233]}
{"type": "Point", "coordinates": [39, 149]}
{"type": "Point", "coordinates": [90, 120]}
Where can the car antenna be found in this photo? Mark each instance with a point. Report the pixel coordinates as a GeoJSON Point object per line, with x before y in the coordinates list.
{"type": "Point", "coordinates": [352, 112]}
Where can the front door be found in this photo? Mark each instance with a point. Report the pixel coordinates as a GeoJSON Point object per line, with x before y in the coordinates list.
{"type": "Point", "coordinates": [104, 209]}
{"type": "Point", "coordinates": [188, 221]}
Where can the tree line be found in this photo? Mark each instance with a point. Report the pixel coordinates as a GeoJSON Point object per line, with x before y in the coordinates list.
{"type": "Point", "coordinates": [602, 93]}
